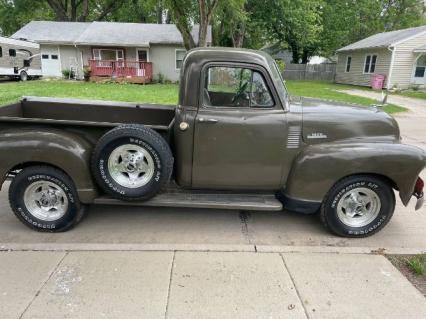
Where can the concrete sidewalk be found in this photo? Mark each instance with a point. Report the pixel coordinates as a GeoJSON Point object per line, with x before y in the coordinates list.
{"type": "Point", "coordinates": [203, 285]}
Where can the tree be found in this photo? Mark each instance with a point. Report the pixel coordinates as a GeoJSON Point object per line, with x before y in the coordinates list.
{"type": "Point", "coordinates": [230, 23]}
{"type": "Point", "coordinates": [345, 22]}
{"type": "Point", "coordinates": [186, 12]}
{"type": "Point", "coordinates": [295, 22]}
{"type": "Point", "coordinates": [79, 10]}
{"type": "Point", "coordinates": [15, 14]}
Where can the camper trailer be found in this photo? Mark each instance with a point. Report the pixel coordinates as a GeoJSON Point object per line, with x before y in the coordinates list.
{"type": "Point", "coordinates": [19, 59]}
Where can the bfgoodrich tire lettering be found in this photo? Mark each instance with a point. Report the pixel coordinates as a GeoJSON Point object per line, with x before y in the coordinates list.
{"type": "Point", "coordinates": [132, 162]}
{"type": "Point", "coordinates": [375, 203]}
{"type": "Point", "coordinates": [45, 175]}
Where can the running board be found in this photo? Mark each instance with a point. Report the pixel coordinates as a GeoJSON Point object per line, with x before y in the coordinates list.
{"type": "Point", "coordinates": [263, 202]}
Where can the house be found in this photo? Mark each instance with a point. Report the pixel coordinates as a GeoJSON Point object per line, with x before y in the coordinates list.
{"type": "Point", "coordinates": [398, 55]}
{"type": "Point", "coordinates": [111, 49]}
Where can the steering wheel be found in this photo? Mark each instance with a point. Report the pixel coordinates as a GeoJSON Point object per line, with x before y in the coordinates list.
{"type": "Point", "coordinates": [240, 93]}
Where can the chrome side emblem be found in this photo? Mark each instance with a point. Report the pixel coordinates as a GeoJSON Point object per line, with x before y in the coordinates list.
{"type": "Point", "coordinates": [316, 136]}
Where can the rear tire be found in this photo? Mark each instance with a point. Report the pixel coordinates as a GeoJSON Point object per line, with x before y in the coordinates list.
{"type": "Point", "coordinates": [45, 199]}
{"type": "Point", "coordinates": [358, 206]}
{"type": "Point", "coordinates": [132, 162]}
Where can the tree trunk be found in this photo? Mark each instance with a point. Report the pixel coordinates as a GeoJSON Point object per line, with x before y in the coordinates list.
{"type": "Point", "coordinates": [206, 13]}
{"type": "Point", "coordinates": [305, 57]}
{"type": "Point", "coordinates": [296, 55]}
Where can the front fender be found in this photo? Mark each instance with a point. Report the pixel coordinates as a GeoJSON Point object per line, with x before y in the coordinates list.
{"type": "Point", "coordinates": [318, 167]}
{"type": "Point", "coordinates": [65, 150]}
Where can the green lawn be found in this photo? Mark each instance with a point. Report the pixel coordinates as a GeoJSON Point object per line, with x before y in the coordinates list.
{"type": "Point", "coordinates": [158, 93]}
{"type": "Point", "coordinates": [415, 94]}
{"type": "Point", "coordinates": [328, 91]}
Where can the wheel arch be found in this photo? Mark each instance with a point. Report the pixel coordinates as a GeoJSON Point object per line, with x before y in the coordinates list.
{"type": "Point", "coordinates": [319, 167]}
{"type": "Point", "coordinates": [63, 150]}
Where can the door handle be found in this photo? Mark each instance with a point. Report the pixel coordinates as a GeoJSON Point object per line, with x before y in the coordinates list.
{"type": "Point", "coordinates": [204, 120]}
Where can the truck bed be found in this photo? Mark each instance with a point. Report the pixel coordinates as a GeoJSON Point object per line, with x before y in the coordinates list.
{"type": "Point", "coordinates": [88, 112]}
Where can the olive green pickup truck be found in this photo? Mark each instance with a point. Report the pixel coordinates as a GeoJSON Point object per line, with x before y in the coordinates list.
{"type": "Point", "coordinates": [236, 140]}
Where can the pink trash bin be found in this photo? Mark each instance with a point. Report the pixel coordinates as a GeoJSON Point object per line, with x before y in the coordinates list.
{"type": "Point", "coordinates": [377, 81]}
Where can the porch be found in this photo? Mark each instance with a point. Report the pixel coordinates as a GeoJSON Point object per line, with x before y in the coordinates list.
{"type": "Point", "coordinates": [121, 70]}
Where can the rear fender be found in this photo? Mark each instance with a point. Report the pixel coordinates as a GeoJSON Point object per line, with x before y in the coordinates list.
{"type": "Point", "coordinates": [318, 167]}
{"type": "Point", "coordinates": [65, 150]}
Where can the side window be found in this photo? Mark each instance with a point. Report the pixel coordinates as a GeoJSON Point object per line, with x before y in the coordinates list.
{"type": "Point", "coordinates": [348, 63]}
{"type": "Point", "coordinates": [235, 87]}
{"type": "Point", "coordinates": [1, 52]}
{"type": "Point", "coordinates": [12, 52]}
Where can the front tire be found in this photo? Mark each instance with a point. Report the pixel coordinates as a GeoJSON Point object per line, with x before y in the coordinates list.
{"type": "Point", "coordinates": [45, 199]}
{"type": "Point", "coordinates": [358, 206]}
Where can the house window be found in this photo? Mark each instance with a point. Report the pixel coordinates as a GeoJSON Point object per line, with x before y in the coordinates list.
{"type": "Point", "coordinates": [1, 52]}
{"type": "Point", "coordinates": [420, 67]}
{"type": "Point", "coordinates": [348, 63]}
{"type": "Point", "coordinates": [12, 52]}
{"type": "Point", "coordinates": [108, 54]}
{"type": "Point", "coordinates": [54, 56]}
{"type": "Point", "coordinates": [180, 54]}
{"type": "Point", "coordinates": [370, 63]}
{"type": "Point", "coordinates": [143, 55]}
{"type": "Point", "coordinates": [45, 56]}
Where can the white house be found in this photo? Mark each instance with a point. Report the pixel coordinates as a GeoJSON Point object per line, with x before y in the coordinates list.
{"type": "Point", "coordinates": [399, 55]}
{"type": "Point", "coordinates": [109, 48]}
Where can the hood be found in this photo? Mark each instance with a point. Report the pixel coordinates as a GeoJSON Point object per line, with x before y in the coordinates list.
{"type": "Point", "coordinates": [325, 121]}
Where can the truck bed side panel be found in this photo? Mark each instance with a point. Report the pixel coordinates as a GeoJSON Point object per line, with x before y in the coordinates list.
{"type": "Point", "coordinates": [65, 150]}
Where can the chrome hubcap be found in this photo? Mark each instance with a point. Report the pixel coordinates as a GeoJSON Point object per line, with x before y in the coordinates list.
{"type": "Point", "coordinates": [131, 166]}
{"type": "Point", "coordinates": [358, 207]}
{"type": "Point", "coordinates": [45, 200]}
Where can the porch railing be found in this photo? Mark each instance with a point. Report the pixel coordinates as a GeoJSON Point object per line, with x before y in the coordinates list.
{"type": "Point", "coordinates": [120, 69]}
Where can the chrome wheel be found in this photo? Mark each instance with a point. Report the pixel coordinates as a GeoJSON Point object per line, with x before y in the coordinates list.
{"type": "Point", "coordinates": [131, 166]}
{"type": "Point", "coordinates": [358, 207]}
{"type": "Point", "coordinates": [46, 201]}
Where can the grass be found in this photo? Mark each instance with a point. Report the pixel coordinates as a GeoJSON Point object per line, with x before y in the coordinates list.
{"type": "Point", "coordinates": [11, 92]}
{"type": "Point", "coordinates": [415, 94]}
{"type": "Point", "coordinates": [328, 91]}
{"type": "Point", "coordinates": [417, 264]}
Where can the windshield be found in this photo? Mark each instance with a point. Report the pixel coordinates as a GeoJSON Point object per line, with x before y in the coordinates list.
{"type": "Point", "coordinates": [280, 84]}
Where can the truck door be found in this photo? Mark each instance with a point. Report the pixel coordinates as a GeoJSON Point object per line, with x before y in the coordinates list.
{"type": "Point", "coordinates": [240, 130]}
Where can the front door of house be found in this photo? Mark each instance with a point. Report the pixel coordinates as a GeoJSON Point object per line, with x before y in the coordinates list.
{"type": "Point", "coordinates": [419, 76]}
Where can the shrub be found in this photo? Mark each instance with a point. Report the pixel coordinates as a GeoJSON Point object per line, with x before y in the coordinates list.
{"type": "Point", "coordinates": [68, 74]}
{"type": "Point", "coordinates": [281, 65]}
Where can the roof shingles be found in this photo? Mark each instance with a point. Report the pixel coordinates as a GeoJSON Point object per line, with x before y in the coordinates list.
{"type": "Point", "coordinates": [103, 33]}
{"type": "Point", "coordinates": [384, 39]}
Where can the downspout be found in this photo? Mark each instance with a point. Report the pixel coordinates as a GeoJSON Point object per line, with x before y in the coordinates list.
{"type": "Point", "coordinates": [388, 82]}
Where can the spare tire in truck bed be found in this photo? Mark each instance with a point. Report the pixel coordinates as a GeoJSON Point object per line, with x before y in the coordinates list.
{"type": "Point", "coordinates": [132, 162]}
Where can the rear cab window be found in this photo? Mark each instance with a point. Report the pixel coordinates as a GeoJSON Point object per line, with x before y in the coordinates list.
{"type": "Point", "coordinates": [236, 87]}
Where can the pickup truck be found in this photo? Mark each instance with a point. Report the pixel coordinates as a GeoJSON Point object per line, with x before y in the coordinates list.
{"type": "Point", "coordinates": [236, 140]}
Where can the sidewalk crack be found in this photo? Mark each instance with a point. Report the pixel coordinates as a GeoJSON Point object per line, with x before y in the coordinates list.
{"type": "Point", "coordinates": [43, 285]}
{"type": "Point", "coordinates": [295, 287]}
{"type": "Point", "coordinates": [166, 314]}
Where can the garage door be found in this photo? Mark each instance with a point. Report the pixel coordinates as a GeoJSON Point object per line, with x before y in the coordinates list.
{"type": "Point", "coordinates": [50, 61]}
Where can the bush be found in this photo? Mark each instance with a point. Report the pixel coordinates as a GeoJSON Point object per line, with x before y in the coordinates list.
{"type": "Point", "coordinates": [281, 65]}
{"type": "Point", "coordinates": [68, 74]}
